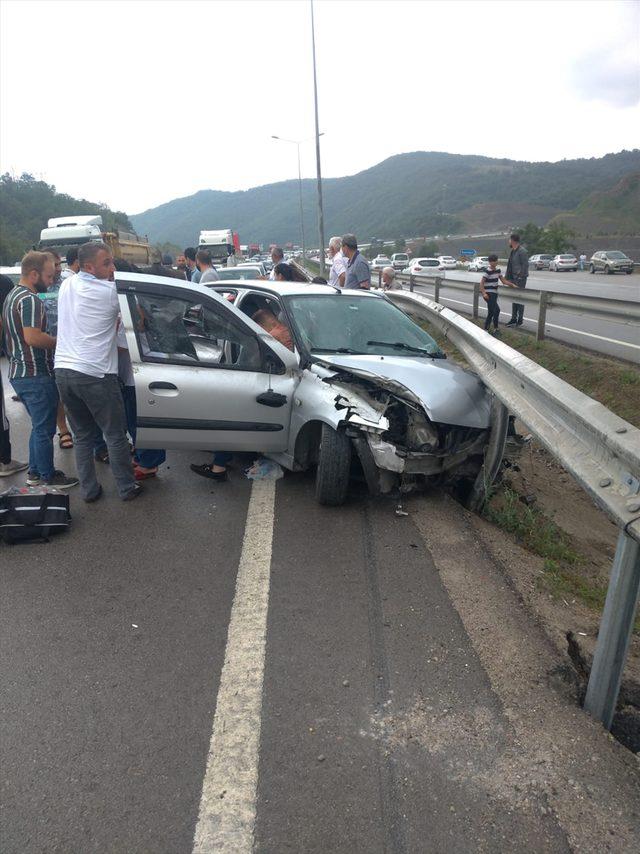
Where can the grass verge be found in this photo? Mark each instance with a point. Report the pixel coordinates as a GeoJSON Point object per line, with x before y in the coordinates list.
{"type": "Point", "coordinates": [564, 566]}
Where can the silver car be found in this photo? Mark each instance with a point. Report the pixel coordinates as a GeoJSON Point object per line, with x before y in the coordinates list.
{"type": "Point", "coordinates": [364, 388]}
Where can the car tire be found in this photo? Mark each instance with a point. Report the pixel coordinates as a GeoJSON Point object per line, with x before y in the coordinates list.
{"type": "Point", "coordinates": [592, 269]}
{"type": "Point", "coordinates": [628, 272]}
{"type": "Point", "coordinates": [334, 466]}
{"type": "Point", "coordinates": [608, 270]}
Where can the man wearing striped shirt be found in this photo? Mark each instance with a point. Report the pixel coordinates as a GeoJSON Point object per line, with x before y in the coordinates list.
{"type": "Point", "coordinates": [30, 348]}
{"type": "Point", "coordinates": [489, 285]}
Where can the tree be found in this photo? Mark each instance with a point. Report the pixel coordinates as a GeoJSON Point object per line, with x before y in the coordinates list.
{"type": "Point", "coordinates": [532, 238]}
{"type": "Point", "coordinates": [558, 238]}
{"type": "Point", "coordinates": [400, 244]}
{"type": "Point", "coordinates": [426, 249]}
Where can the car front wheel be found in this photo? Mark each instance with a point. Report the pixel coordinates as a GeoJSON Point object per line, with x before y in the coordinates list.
{"type": "Point", "coordinates": [334, 465]}
{"type": "Point", "coordinates": [592, 269]}
{"type": "Point", "coordinates": [608, 271]}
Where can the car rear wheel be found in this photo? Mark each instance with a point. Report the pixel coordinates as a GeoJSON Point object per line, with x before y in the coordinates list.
{"type": "Point", "coordinates": [334, 465]}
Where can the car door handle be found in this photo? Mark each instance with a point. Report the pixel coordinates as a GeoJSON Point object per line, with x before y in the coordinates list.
{"type": "Point", "coordinates": [271, 398]}
{"type": "Point", "coordinates": [168, 386]}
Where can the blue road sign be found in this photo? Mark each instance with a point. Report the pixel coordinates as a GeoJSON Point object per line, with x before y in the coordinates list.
{"type": "Point", "coordinates": [467, 251]}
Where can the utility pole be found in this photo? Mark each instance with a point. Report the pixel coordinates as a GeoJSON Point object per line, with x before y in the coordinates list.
{"type": "Point", "coordinates": [315, 96]}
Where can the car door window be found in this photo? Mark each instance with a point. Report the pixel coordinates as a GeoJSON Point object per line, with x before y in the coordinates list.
{"type": "Point", "coordinates": [182, 330]}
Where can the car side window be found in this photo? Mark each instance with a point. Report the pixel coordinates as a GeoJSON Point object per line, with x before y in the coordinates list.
{"type": "Point", "coordinates": [181, 330]}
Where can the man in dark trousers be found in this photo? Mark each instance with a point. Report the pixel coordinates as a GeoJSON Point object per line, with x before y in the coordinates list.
{"type": "Point", "coordinates": [517, 272]}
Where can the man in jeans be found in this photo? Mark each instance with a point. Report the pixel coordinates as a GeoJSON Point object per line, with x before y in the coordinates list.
{"type": "Point", "coordinates": [86, 366]}
{"type": "Point", "coordinates": [30, 351]}
{"type": "Point", "coordinates": [517, 272]}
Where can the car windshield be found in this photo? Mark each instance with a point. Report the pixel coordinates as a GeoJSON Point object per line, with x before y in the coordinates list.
{"type": "Point", "coordinates": [401, 257]}
{"type": "Point", "coordinates": [616, 255]}
{"type": "Point", "coordinates": [339, 323]}
{"type": "Point", "coordinates": [428, 263]}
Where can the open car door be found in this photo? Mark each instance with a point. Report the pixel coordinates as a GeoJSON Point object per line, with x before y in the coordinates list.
{"type": "Point", "coordinates": [206, 376]}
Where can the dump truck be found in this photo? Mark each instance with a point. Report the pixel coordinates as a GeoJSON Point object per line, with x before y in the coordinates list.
{"type": "Point", "coordinates": [64, 232]}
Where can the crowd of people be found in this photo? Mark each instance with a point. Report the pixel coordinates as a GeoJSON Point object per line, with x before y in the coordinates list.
{"type": "Point", "coordinates": [70, 367]}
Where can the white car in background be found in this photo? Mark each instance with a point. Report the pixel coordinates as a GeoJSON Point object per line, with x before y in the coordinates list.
{"type": "Point", "coordinates": [563, 262]}
{"type": "Point", "coordinates": [424, 265]}
{"type": "Point", "coordinates": [399, 260]}
{"type": "Point", "coordinates": [479, 264]}
{"type": "Point", "coordinates": [254, 265]}
{"type": "Point", "coordinates": [380, 262]}
{"type": "Point", "coordinates": [448, 262]}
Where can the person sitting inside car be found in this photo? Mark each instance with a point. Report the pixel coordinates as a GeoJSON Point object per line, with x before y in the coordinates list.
{"type": "Point", "coordinates": [270, 323]}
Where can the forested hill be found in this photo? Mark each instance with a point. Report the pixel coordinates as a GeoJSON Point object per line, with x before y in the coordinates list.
{"type": "Point", "coordinates": [27, 204]}
{"type": "Point", "coordinates": [420, 193]}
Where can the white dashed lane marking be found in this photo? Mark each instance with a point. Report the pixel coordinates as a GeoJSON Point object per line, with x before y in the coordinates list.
{"type": "Point", "coordinates": [227, 813]}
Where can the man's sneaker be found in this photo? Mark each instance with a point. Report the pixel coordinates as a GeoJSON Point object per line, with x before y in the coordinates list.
{"type": "Point", "coordinates": [12, 467]}
{"type": "Point", "coordinates": [135, 492]}
{"type": "Point", "coordinates": [512, 323]}
{"type": "Point", "coordinates": [33, 479]}
{"type": "Point", "coordinates": [60, 480]}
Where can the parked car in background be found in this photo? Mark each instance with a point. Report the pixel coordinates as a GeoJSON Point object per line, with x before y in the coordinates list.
{"type": "Point", "coordinates": [257, 265]}
{"type": "Point", "coordinates": [406, 412]}
{"type": "Point", "coordinates": [424, 265]}
{"type": "Point", "coordinates": [563, 263]}
{"type": "Point", "coordinates": [480, 264]}
{"type": "Point", "coordinates": [540, 262]}
{"type": "Point", "coordinates": [380, 262]}
{"type": "Point", "coordinates": [448, 262]}
{"type": "Point", "coordinates": [399, 260]}
{"type": "Point", "coordinates": [610, 261]}
{"type": "Point", "coordinates": [242, 271]}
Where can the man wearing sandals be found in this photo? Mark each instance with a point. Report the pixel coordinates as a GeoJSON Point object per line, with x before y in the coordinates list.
{"type": "Point", "coordinates": [86, 366]}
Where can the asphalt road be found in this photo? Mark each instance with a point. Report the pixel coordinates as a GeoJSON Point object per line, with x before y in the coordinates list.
{"type": "Point", "coordinates": [144, 685]}
{"type": "Point", "coordinates": [619, 339]}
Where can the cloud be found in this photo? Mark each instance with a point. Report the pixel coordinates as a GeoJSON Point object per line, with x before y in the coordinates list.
{"type": "Point", "coordinates": [609, 75]}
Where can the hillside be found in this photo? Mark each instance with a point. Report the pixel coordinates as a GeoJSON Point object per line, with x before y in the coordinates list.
{"type": "Point", "coordinates": [612, 211]}
{"type": "Point", "coordinates": [27, 204]}
{"type": "Point", "coordinates": [402, 196]}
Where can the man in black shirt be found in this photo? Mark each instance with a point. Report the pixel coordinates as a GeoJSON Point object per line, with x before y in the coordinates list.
{"type": "Point", "coordinates": [517, 272]}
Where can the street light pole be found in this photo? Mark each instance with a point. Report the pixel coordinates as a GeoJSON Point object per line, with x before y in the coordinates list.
{"type": "Point", "coordinates": [298, 143]}
{"type": "Point", "coordinates": [315, 96]}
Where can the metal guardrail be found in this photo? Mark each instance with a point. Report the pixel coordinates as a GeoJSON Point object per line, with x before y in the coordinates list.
{"type": "Point", "coordinates": [601, 451]}
{"type": "Point", "coordinates": [604, 308]}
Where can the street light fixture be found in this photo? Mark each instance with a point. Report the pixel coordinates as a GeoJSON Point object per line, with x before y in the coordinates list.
{"type": "Point", "coordinates": [297, 143]}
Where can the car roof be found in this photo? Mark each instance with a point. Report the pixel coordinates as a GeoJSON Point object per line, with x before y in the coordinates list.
{"type": "Point", "coordinates": [286, 289]}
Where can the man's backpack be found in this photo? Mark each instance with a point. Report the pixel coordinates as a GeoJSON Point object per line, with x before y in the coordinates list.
{"type": "Point", "coordinates": [29, 514]}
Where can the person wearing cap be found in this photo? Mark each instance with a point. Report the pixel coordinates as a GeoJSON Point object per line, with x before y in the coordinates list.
{"type": "Point", "coordinates": [358, 272]}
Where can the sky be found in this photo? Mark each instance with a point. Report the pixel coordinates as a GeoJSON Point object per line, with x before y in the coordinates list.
{"type": "Point", "coordinates": [136, 102]}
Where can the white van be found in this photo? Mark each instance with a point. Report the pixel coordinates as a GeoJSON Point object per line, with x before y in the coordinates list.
{"type": "Point", "coordinates": [399, 260]}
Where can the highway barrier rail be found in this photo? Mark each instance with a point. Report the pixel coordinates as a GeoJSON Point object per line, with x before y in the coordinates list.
{"type": "Point", "coordinates": [604, 308]}
{"type": "Point", "coordinates": [600, 450]}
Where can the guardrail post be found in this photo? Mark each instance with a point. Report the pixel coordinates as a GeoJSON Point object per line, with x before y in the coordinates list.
{"type": "Point", "coordinates": [542, 314]}
{"type": "Point", "coordinates": [436, 289]}
{"type": "Point", "coordinates": [411, 282]}
{"type": "Point", "coordinates": [615, 631]}
{"type": "Point", "coordinates": [476, 299]}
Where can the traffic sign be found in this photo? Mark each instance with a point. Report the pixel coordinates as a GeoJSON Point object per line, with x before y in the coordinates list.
{"type": "Point", "coordinates": [467, 251]}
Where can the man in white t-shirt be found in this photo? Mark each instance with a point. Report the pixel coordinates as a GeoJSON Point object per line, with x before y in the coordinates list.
{"type": "Point", "coordinates": [86, 367]}
{"type": "Point", "coordinates": [338, 270]}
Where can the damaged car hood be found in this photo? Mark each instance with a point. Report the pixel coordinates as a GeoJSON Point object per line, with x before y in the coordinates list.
{"type": "Point", "coordinates": [448, 393]}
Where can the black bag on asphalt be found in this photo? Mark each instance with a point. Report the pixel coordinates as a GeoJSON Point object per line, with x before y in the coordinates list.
{"type": "Point", "coordinates": [32, 514]}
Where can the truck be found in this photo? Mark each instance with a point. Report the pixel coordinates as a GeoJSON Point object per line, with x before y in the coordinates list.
{"type": "Point", "coordinates": [65, 231]}
{"type": "Point", "coordinates": [219, 242]}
